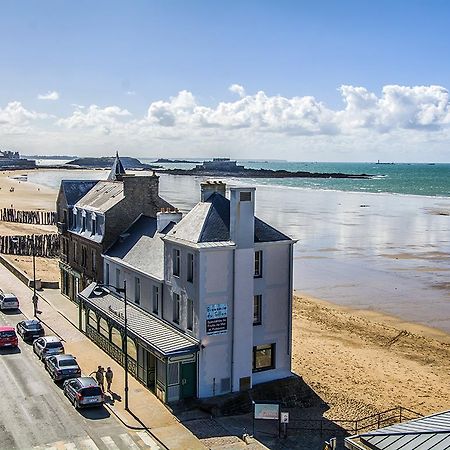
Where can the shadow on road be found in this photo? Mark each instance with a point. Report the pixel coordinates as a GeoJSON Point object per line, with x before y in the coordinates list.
{"type": "Point", "coordinates": [11, 312]}
{"type": "Point", "coordinates": [9, 350]}
{"type": "Point", "coordinates": [96, 413]}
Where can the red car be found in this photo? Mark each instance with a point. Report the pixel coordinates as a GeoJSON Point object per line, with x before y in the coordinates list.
{"type": "Point", "coordinates": [8, 337]}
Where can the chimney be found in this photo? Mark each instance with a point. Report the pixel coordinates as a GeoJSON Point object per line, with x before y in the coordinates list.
{"type": "Point", "coordinates": [210, 186]}
{"type": "Point", "coordinates": [242, 216]}
{"type": "Point", "coordinates": [165, 216]}
{"type": "Point", "coordinates": [142, 191]}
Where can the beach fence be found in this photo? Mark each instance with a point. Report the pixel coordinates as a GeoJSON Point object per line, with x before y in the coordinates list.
{"type": "Point", "coordinates": [29, 217]}
{"type": "Point", "coordinates": [44, 245]}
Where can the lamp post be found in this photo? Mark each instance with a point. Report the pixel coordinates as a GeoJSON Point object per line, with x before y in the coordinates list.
{"type": "Point", "coordinates": [35, 297]}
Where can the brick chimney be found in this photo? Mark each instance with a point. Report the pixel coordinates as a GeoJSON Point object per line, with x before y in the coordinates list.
{"type": "Point", "coordinates": [165, 216]}
{"type": "Point", "coordinates": [242, 216]}
{"type": "Point", "coordinates": [143, 191]}
{"type": "Point", "coordinates": [210, 186]}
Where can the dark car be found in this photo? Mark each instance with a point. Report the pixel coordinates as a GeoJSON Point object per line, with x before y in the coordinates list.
{"type": "Point", "coordinates": [30, 330]}
{"type": "Point", "coordinates": [61, 367]}
{"type": "Point", "coordinates": [8, 337]}
{"type": "Point", "coordinates": [83, 392]}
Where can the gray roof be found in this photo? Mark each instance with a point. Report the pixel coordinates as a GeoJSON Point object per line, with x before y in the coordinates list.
{"type": "Point", "coordinates": [76, 189]}
{"type": "Point", "coordinates": [102, 197]}
{"type": "Point", "coordinates": [209, 221]}
{"type": "Point", "coordinates": [157, 334]}
{"type": "Point", "coordinates": [426, 433]}
{"type": "Point", "coordinates": [136, 244]}
{"type": "Point", "coordinates": [117, 169]}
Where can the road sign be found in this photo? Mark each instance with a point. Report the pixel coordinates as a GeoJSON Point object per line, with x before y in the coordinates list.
{"type": "Point", "coordinates": [284, 417]}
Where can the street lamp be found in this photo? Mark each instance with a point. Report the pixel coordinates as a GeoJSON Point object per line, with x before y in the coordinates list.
{"type": "Point", "coordinates": [35, 297]}
{"type": "Point", "coordinates": [125, 320]}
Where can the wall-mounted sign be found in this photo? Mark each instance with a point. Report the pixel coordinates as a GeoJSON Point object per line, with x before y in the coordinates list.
{"type": "Point", "coordinates": [216, 318]}
{"type": "Point", "coordinates": [284, 417]}
{"type": "Point", "coordinates": [267, 411]}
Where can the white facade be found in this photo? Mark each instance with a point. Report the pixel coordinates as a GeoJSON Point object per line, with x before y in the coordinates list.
{"type": "Point", "coordinates": [207, 290]}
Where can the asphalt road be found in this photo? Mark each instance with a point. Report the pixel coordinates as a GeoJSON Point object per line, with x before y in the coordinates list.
{"type": "Point", "coordinates": [35, 414]}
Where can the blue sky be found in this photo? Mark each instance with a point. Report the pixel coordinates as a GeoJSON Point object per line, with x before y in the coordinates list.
{"type": "Point", "coordinates": [129, 56]}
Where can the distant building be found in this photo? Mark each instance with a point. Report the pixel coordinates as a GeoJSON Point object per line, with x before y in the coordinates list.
{"type": "Point", "coordinates": [91, 217]}
{"type": "Point", "coordinates": [209, 298]}
{"type": "Point", "coordinates": [219, 165]}
{"type": "Point", "coordinates": [11, 160]}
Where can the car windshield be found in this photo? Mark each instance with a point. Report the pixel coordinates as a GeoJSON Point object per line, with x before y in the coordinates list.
{"type": "Point", "coordinates": [33, 326]}
{"type": "Point", "coordinates": [91, 391]}
{"type": "Point", "coordinates": [67, 362]}
{"type": "Point", "coordinates": [10, 299]}
{"type": "Point", "coordinates": [7, 334]}
{"type": "Point", "coordinates": [54, 345]}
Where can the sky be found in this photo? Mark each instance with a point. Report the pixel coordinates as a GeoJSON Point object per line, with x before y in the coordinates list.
{"type": "Point", "coordinates": [298, 80]}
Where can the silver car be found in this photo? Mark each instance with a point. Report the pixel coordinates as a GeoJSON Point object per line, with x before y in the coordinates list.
{"type": "Point", "coordinates": [61, 367]}
{"type": "Point", "coordinates": [83, 392]}
{"type": "Point", "coordinates": [8, 301]}
{"type": "Point", "coordinates": [47, 346]}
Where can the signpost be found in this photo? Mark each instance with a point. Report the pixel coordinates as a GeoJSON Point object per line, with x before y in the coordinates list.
{"type": "Point", "coordinates": [284, 419]}
{"type": "Point", "coordinates": [216, 319]}
{"type": "Point", "coordinates": [266, 411]}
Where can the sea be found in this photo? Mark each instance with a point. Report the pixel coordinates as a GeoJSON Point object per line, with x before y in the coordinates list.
{"type": "Point", "coordinates": [379, 244]}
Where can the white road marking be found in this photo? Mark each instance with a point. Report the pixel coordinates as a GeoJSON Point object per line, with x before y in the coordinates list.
{"type": "Point", "coordinates": [147, 440]}
{"type": "Point", "coordinates": [107, 440]}
{"type": "Point", "coordinates": [129, 442]}
{"type": "Point", "coordinates": [88, 444]}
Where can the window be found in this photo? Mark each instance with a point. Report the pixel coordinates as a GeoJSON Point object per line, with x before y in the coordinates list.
{"type": "Point", "coordinates": [137, 290]}
{"type": "Point", "coordinates": [94, 261]}
{"type": "Point", "coordinates": [131, 349]}
{"type": "Point", "coordinates": [176, 262]}
{"type": "Point", "coordinates": [94, 225]}
{"type": "Point", "coordinates": [190, 314]}
{"type": "Point", "coordinates": [190, 267]}
{"type": "Point", "coordinates": [92, 320]}
{"type": "Point", "coordinates": [83, 256]}
{"type": "Point", "coordinates": [155, 295]}
{"type": "Point", "coordinates": [258, 264]}
{"type": "Point", "coordinates": [74, 218]}
{"type": "Point", "coordinates": [245, 196]}
{"type": "Point", "coordinates": [75, 252]}
{"type": "Point", "coordinates": [176, 308]}
{"type": "Point", "coordinates": [257, 309]}
{"type": "Point", "coordinates": [83, 223]}
{"type": "Point", "coordinates": [263, 357]}
{"type": "Point", "coordinates": [116, 337]}
{"type": "Point", "coordinates": [117, 278]}
{"type": "Point", "coordinates": [106, 273]}
{"type": "Point", "coordinates": [103, 327]}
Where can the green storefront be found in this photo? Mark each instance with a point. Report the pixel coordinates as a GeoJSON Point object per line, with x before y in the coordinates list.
{"type": "Point", "coordinates": [161, 357]}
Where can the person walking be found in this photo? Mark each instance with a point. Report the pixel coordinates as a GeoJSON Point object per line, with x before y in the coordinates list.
{"type": "Point", "coordinates": [99, 376]}
{"type": "Point", "coordinates": [109, 377]}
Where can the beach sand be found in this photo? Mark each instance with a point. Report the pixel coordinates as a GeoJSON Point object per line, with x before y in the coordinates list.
{"type": "Point", "coordinates": [358, 361]}
{"type": "Point", "coordinates": [361, 362]}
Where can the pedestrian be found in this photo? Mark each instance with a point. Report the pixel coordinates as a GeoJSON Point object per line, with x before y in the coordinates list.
{"type": "Point", "coordinates": [109, 377]}
{"type": "Point", "coordinates": [99, 376]}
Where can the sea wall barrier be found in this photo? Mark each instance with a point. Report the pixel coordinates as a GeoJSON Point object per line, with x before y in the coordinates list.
{"type": "Point", "coordinates": [30, 217]}
{"type": "Point", "coordinates": [44, 245]}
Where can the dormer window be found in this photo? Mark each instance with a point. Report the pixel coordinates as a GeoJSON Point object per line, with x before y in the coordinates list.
{"type": "Point", "coordinates": [83, 223]}
{"type": "Point", "coordinates": [94, 224]}
{"type": "Point", "coordinates": [74, 217]}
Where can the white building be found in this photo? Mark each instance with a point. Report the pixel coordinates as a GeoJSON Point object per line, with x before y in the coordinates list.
{"type": "Point", "coordinates": [209, 298]}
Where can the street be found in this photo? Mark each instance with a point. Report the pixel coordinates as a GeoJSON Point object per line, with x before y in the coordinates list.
{"type": "Point", "coordinates": [35, 414]}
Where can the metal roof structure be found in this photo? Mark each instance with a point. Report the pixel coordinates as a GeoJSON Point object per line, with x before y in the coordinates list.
{"type": "Point", "coordinates": [160, 336]}
{"type": "Point", "coordinates": [102, 197]}
{"type": "Point", "coordinates": [426, 433]}
{"type": "Point", "coordinates": [74, 190]}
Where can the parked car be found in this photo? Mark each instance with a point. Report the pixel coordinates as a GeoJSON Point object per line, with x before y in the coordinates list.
{"type": "Point", "coordinates": [61, 367]}
{"type": "Point", "coordinates": [8, 337]}
{"type": "Point", "coordinates": [30, 329]}
{"type": "Point", "coordinates": [8, 301]}
{"type": "Point", "coordinates": [83, 392]}
{"type": "Point", "coordinates": [46, 346]}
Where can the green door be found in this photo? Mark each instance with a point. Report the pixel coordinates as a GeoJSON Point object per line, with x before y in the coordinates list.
{"type": "Point", "coordinates": [188, 380]}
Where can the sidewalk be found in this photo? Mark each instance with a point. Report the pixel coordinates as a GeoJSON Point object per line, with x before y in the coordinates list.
{"type": "Point", "coordinates": [147, 412]}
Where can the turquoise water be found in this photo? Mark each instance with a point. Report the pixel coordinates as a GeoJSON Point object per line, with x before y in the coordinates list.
{"type": "Point", "coordinates": [415, 179]}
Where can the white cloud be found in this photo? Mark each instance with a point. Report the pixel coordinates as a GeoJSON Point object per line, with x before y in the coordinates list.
{"type": "Point", "coordinates": [237, 89]}
{"type": "Point", "coordinates": [50, 95]}
{"type": "Point", "coordinates": [14, 114]}
{"type": "Point", "coordinates": [130, 92]}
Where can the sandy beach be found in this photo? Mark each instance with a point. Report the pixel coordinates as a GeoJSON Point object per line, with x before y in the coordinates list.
{"type": "Point", "coordinates": [358, 360]}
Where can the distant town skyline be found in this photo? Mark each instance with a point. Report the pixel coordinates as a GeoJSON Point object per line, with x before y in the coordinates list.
{"type": "Point", "coordinates": [306, 81]}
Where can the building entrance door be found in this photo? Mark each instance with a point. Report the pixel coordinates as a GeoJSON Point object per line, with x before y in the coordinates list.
{"type": "Point", "coordinates": [151, 369]}
{"type": "Point", "coordinates": [188, 380]}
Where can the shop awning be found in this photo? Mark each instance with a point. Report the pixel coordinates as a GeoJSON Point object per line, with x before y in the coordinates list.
{"type": "Point", "coordinates": [156, 334]}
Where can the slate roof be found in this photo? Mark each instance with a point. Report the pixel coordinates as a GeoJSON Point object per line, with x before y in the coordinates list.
{"type": "Point", "coordinates": [141, 247]}
{"type": "Point", "coordinates": [209, 221]}
{"type": "Point", "coordinates": [117, 170]}
{"type": "Point", "coordinates": [102, 197]}
{"type": "Point", "coordinates": [159, 335]}
{"type": "Point", "coordinates": [76, 189]}
{"type": "Point", "coordinates": [426, 433]}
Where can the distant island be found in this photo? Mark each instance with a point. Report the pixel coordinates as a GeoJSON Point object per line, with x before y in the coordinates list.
{"type": "Point", "coordinates": [174, 161]}
{"type": "Point", "coordinates": [63, 157]}
{"type": "Point", "coordinates": [224, 167]}
{"type": "Point", "coordinates": [105, 162]}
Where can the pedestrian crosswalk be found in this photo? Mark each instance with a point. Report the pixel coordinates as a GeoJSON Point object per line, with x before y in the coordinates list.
{"type": "Point", "coordinates": [127, 441]}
